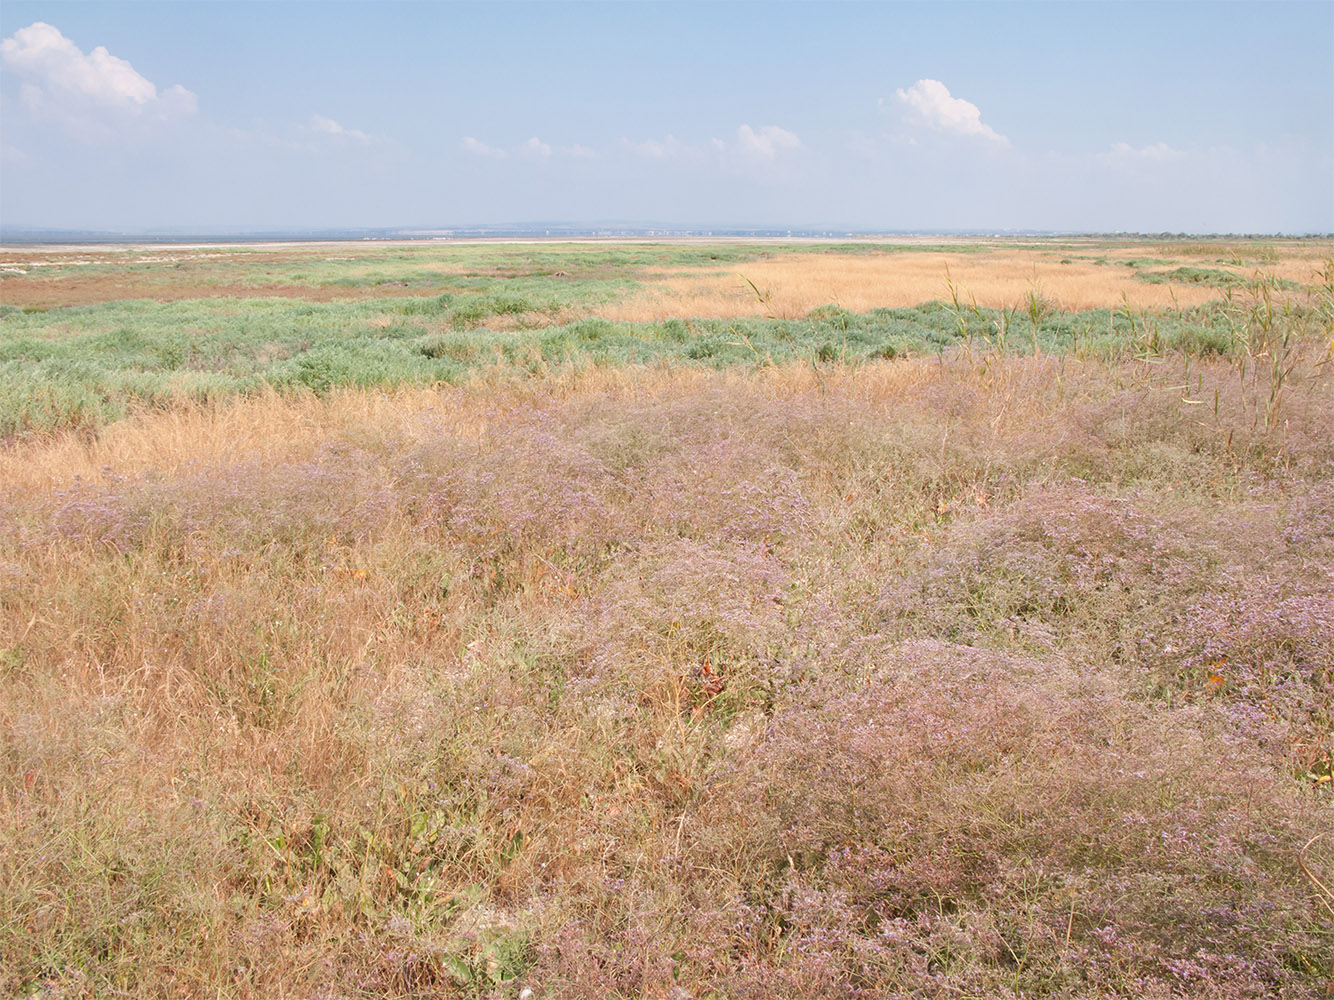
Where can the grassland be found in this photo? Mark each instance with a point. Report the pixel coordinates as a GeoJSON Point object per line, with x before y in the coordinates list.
{"type": "Point", "coordinates": [525, 629]}
{"type": "Point", "coordinates": [89, 336]}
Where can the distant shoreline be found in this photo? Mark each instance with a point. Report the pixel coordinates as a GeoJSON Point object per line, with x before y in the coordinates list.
{"type": "Point", "coordinates": [94, 242]}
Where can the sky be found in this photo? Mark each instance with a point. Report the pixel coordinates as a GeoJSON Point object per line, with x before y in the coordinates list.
{"type": "Point", "coordinates": [1081, 116]}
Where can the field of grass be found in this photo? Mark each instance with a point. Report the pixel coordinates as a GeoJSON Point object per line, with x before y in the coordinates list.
{"type": "Point", "coordinates": [494, 637]}
{"type": "Point", "coordinates": [122, 330]}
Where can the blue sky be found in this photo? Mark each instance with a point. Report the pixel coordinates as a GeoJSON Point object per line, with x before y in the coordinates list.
{"type": "Point", "coordinates": [1199, 117]}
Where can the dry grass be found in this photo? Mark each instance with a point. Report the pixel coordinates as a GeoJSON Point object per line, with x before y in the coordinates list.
{"type": "Point", "coordinates": [972, 676]}
{"type": "Point", "coordinates": [42, 293]}
{"type": "Point", "coordinates": [792, 286]}
{"type": "Point", "coordinates": [811, 682]}
{"type": "Point", "coordinates": [1076, 275]}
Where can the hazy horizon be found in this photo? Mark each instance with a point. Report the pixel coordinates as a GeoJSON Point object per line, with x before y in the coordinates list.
{"type": "Point", "coordinates": [596, 230]}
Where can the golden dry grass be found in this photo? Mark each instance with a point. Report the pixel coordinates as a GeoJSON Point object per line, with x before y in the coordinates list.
{"type": "Point", "coordinates": [791, 286]}
{"type": "Point", "coordinates": [276, 427]}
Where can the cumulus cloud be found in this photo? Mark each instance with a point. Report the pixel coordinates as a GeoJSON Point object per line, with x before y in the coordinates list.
{"type": "Point", "coordinates": [327, 126]}
{"type": "Point", "coordinates": [89, 92]}
{"type": "Point", "coordinates": [766, 142]}
{"type": "Point", "coordinates": [930, 102]}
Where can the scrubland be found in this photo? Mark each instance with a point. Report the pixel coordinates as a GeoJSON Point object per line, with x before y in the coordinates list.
{"type": "Point", "coordinates": [975, 647]}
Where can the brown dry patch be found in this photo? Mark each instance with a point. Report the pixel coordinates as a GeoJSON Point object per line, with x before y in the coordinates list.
{"type": "Point", "coordinates": [793, 286]}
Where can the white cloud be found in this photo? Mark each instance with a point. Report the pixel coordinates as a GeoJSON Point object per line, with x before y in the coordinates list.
{"type": "Point", "coordinates": [40, 52]}
{"type": "Point", "coordinates": [90, 92]}
{"type": "Point", "coordinates": [766, 142]}
{"type": "Point", "coordinates": [478, 148]}
{"type": "Point", "coordinates": [327, 126]}
{"type": "Point", "coordinates": [579, 152]}
{"type": "Point", "coordinates": [930, 102]}
{"type": "Point", "coordinates": [535, 148]}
